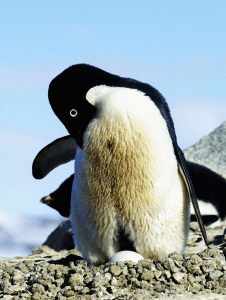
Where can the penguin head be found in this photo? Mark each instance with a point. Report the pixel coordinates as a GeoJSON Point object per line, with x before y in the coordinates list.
{"type": "Point", "coordinates": [67, 97]}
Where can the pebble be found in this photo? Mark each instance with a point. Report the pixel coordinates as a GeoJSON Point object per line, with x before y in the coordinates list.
{"type": "Point", "coordinates": [179, 273]}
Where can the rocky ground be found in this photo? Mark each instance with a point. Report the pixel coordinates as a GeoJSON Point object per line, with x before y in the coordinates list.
{"type": "Point", "coordinates": [198, 273]}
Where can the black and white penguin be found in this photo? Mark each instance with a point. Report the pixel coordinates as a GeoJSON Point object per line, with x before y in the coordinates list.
{"type": "Point", "coordinates": [60, 199]}
{"type": "Point", "coordinates": [131, 185]}
{"type": "Point", "coordinates": [210, 189]}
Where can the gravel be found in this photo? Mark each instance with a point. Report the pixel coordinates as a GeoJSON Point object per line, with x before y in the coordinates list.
{"type": "Point", "coordinates": [34, 277]}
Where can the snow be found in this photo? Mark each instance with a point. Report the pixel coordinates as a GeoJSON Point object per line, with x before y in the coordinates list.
{"type": "Point", "coordinates": [19, 234]}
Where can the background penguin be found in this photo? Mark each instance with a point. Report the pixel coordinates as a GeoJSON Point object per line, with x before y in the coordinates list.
{"type": "Point", "coordinates": [60, 199]}
{"type": "Point", "coordinates": [210, 189]}
{"type": "Point", "coordinates": [130, 174]}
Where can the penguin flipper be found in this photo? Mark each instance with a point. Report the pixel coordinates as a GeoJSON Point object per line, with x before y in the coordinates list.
{"type": "Point", "coordinates": [187, 179]}
{"type": "Point", "coordinates": [58, 152]}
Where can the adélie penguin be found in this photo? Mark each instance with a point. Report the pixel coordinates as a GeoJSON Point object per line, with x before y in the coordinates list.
{"type": "Point", "coordinates": [131, 185]}
{"type": "Point", "coordinates": [60, 199]}
{"type": "Point", "coordinates": [210, 189]}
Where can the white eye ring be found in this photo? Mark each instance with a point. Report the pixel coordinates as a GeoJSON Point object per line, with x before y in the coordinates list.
{"type": "Point", "coordinates": [73, 113]}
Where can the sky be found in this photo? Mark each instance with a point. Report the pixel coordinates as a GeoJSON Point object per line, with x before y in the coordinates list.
{"type": "Point", "coordinates": [179, 47]}
{"type": "Point", "coordinates": [19, 234]}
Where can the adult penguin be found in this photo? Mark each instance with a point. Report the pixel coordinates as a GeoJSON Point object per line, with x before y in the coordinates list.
{"type": "Point", "coordinates": [131, 184]}
{"type": "Point", "coordinates": [210, 189]}
{"type": "Point", "coordinates": [60, 199]}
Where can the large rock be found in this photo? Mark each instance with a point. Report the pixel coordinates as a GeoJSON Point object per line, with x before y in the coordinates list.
{"type": "Point", "coordinates": [210, 151]}
{"type": "Point", "coordinates": [61, 237]}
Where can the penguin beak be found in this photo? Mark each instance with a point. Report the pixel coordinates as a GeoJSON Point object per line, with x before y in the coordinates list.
{"type": "Point", "coordinates": [57, 204]}
{"type": "Point", "coordinates": [77, 127]}
{"type": "Point", "coordinates": [47, 200]}
{"type": "Point", "coordinates": [78, 138]}
{"type": "Point", "coordinates": [75, 132]}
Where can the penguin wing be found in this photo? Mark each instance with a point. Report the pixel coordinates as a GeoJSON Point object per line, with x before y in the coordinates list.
{"type": "Point", "coordinates": [58, 152]}
{"type": "Point", "coordinates": [187, 179]}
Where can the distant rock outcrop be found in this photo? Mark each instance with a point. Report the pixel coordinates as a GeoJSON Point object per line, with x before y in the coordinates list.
{"type": "Point", "coordinates": [210, 151]}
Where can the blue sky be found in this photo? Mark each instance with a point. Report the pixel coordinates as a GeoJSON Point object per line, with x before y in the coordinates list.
{"type": "Point", "coordinates": [179, 47]}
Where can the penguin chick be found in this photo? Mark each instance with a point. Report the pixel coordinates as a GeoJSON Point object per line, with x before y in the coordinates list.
{"type": "Point", "coordinates": [131, 177]}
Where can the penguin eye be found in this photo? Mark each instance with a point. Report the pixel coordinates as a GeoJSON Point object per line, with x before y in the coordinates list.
{"type": "Point", "coordinates": [73, 113]}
